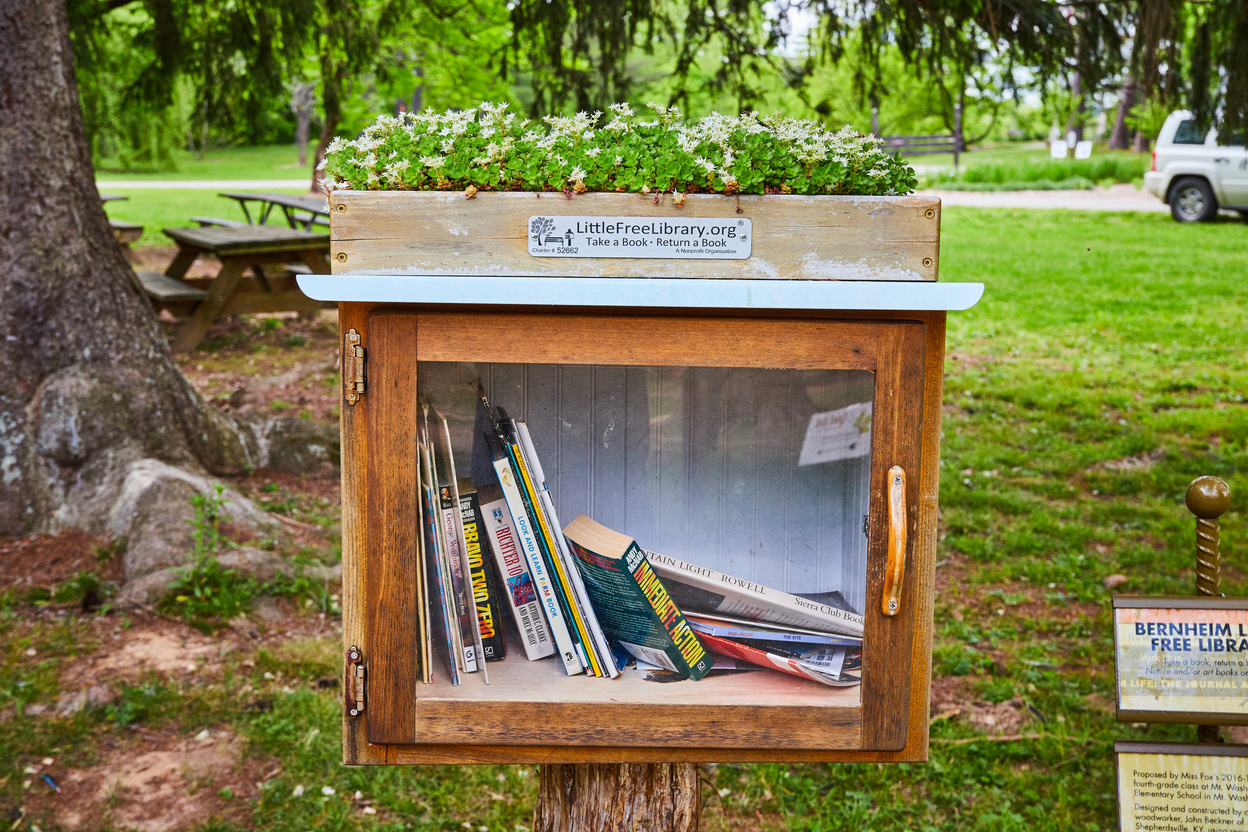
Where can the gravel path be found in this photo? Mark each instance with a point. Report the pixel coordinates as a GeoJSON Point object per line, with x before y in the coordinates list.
{"type": "Point", "coordinates": [204, 184]}
{"type": "Point", "coordinates": [1117, 198]}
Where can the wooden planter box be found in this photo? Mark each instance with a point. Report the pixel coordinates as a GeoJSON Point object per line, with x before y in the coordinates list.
{"type": "Point", "coordinates": [582, 346]}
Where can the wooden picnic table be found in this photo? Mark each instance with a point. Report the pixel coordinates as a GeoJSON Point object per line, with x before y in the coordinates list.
{"type": "Point", "coordinates": [249, 247]}
{"type": "Point", "coordinates": [293, 206]}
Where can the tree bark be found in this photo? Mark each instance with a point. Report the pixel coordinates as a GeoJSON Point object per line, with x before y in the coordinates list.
{"type": "Point", "coordinates": [629, 797]}
{"type": "Point", "coordinates": [1120, 137]}
{"type": "Point", "coordinates": [1075, 123]}
{"type": "Point", "coordinates": [87, 380]}
{"type": "Point", "coordinates": [302, 100]}
{"type": "Point", "coordinates": [333, 76]}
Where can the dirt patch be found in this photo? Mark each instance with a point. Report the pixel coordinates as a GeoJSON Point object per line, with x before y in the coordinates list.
{"type": "Point", "coordinates": [155, 784]}
{"type": "Point", "coordinates": [278, 364]}
{"type": "Point", "coordinates": [1139, 462]}
{"type": "Point", "coordinates": [326, 486]}
{"type": "Point", "coordinates": [45, 560]}
{"type": "Point", "coordinates": [952, 699]}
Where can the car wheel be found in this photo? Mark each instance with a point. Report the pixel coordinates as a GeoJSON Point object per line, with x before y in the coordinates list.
{"type": "Point", "coordinates": [1191, 200]}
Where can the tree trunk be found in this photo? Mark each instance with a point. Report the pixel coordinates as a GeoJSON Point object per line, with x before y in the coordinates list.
{"type": "Point", "coordinates": [88, 384]}
{"type": "Point", "coordinates": [1120, 138]}
{"type": "Point", "coordinates": [332, 79]}
{"type": "Point", "coordinates": [302, 100]}
{"type": "Point", "coordinates": [630, 797]}
{"type": "Point", "coordinates": [1075, 123]}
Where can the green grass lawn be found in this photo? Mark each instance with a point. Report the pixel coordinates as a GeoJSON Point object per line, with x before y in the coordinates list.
{"type": "Point", "coordinates": [1100, 338]}
{"type": "Point", "coordinates": [157, 208]}
{"type": "Point", "coordinates": [264, 162]}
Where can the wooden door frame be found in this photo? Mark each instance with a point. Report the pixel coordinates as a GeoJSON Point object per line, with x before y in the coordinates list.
{"type": "Point", "coordinates": [895, 739]}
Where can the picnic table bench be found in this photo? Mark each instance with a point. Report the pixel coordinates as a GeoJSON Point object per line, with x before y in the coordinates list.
{"type": "Point", "coordinates": [240, 249]}
{"type": "Point", "coordinates": [123, 232]}
{"type": "Point", "coordinates": [923, 145]}
{"type": "Point", "coordinates": [300, 210]}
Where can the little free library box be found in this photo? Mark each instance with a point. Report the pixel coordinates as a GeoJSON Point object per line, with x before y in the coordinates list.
{"type": "Point", "coordinates": [626, 480]}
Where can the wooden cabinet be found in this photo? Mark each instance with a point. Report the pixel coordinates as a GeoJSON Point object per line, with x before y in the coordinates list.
{"type": "Point", "coordinates": [694, 428]}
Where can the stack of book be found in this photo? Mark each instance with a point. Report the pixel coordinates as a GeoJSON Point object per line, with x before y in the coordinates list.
{"type": "Point", "coordinates": [493, 549]}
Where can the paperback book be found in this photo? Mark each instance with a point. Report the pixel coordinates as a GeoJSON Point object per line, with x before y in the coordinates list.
{"type": "Point", "coordinates": [633, 606]}
{"type": "Point", "coordinates": [517, 583]}
{"type": "Point", "coordinates": [821, 665]}
{"type": "Point", "coordinates": [485, 594]}
{"type": "Point", "coordinates": [701, 589]}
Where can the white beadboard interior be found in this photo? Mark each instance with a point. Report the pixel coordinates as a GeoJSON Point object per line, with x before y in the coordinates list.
{"type": "Point", "coordinates": [696, 462]}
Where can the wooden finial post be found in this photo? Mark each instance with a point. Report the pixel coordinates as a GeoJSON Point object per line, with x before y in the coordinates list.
{"type": "Point", "coordinates": [626, 797]}
{"type": "Point", "coordinates": [1208, 498]}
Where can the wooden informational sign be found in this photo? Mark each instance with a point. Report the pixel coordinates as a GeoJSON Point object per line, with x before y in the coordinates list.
{"type": "Point", "coordinates": [1182, 659]}
{"type": "Point", "coordinates": [1181, 787]}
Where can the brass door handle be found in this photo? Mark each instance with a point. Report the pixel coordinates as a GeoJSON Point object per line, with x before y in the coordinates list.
{"type": "Point", "coordinates": [895, 570]}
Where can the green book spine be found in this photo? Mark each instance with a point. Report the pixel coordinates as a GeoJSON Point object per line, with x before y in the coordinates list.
{"type": "Point", "coordinates": [635, 609]}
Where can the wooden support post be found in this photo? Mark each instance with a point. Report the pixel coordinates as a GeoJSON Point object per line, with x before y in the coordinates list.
{"type": "Point", "coordinates": [626, 797]}
{"type": "Point", "coordinates": [1208, 498]}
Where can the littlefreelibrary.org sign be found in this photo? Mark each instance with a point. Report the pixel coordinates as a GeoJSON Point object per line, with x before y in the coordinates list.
{"type": "Point", "coordinates": [711, 238]}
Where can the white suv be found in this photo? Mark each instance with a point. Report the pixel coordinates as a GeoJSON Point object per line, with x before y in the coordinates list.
{"type": "Point", "coordinates": [1195, 174]}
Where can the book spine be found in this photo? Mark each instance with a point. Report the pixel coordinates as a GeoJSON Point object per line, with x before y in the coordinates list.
{"type": "Point", "coordinates": [559, 583]}
{"type": "Point", "coordinates": [484, 591]}
{"type": "Point", "coordinates": [443, 621]}
{"type": "Point", "coordinates": [533, 556]}
{"type": "Point", "coordinates": [685, 651]}
{"type": "Point", "coordinates": [459, 584]}
{"type": "Point", "coordinates": [519, 590]}
{"type": "Point", "coordinates": [747, 599]}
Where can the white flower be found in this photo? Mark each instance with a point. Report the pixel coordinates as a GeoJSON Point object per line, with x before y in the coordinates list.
{"type": "Point", "coordinates": [576, 175]}
{"type": "Point", "coordinates": [394, 171]}
{"type": "Point", "coordinates": [593, 152]}
{"type": "Point", "coordinates": [328, 791]}
{"type": "Point", "coordinates": [298, 792]}
{"type": "Point", "coordinates": [434, 162]}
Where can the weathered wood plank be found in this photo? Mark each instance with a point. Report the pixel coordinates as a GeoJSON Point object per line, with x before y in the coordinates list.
{"type": "Point", "coordinates": [356, 749]}
{"type": "Point", "coordinates": [661, 341]}
{"type": "Point", "coordinates": [638, 725]}
{"type": "Point", "coordinates": [248, 239]}
{"type": "Point", "coordinates": [539, 754]}
{"type": "Point", "coordinates": [886, 640]}
{"type": "Point", "coordinates": [391, 617]}
{"type": "Point", "coordinates": [795, 237]}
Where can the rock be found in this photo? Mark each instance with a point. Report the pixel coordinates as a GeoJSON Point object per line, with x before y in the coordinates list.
{"type": "Point", "coordinates": [1115, 581]}
{"type": "Point", "coordinates": [265, 566]}
{"type": "Point", "coordinates": [244, 626]}
{"type": "Point", "coordinates": [153, 510]}
{"type": "Point", "coordinates": [147, 589]}
{"type": "Point", "coordinates": [297, 446]}
{"type": "Point", "coordinates": [78, 416]}
{"type": "Point", "coordinates": [94, 696]}
{"type": "Point", "coordinates": [267, 608]}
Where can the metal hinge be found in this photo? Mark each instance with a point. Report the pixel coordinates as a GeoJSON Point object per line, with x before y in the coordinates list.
{"type": "Point", "coordinates": [353, 375]}
{"type": "Point", "coordinates": [353, 686]}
